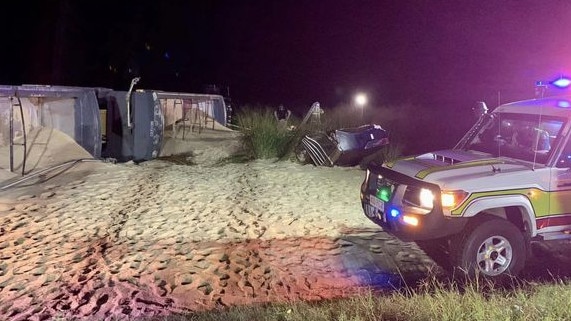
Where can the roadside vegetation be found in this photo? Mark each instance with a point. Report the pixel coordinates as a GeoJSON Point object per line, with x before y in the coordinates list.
{"type": "Point", "coordinates": [263, 138]}
{"type": "Point", "coordinates": [430, 301]}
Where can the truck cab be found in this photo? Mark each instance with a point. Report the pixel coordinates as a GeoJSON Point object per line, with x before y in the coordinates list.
{"type": "Point", "coordinates": [506, 183]}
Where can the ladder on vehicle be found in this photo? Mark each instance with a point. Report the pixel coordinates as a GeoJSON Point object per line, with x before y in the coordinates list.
{"type": "Point", "coordinates": [176, 102]}
{"type": "Point", "coordinates": [201, 114]}
{"type": "Point", "coordinates": [195, 114]}
{"type": "Point", "coordinates": [187, 116]}
{"type": "Point", "coordinates": [15, 102]}
{"type": "Point", "coordinates": [209, 113]}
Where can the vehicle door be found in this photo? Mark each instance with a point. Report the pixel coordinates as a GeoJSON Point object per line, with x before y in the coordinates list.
{"type": "Point", "coordinates": [559, 217]}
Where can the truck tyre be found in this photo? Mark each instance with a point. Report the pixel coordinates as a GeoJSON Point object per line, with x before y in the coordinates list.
{"type": "Point", "coordinates": [494, 249]}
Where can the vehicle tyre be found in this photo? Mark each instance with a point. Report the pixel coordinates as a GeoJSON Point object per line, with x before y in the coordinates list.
{"type": "Point", "coordinates": [494, 249]}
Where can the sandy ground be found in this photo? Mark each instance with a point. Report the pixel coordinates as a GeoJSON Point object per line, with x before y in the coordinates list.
{"type": "Point", "coordinates": [125, 241]}
{"type": "Point", "coordinates": [45, 147]}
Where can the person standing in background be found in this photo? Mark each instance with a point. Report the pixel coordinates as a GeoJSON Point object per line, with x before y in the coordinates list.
{"type": "Point", "coordinates": [282, 116]}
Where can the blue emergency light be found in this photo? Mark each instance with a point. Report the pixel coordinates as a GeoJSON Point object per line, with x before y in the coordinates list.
{"type": "Point", "coordinates": [542, 86]}
{"type": "Point", "coordinates": [561, 82]}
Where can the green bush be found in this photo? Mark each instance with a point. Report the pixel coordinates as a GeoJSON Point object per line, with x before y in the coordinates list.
{"type": "Point", "coordinates": [262, 136]}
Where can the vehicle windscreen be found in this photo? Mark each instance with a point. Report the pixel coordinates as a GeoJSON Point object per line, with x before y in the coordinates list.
{"type": "Point", "coordinates": [520, 136]}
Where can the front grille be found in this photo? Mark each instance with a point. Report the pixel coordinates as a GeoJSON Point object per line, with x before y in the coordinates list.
{"type": "Point", "coordinates": [411, 195]}
{"type": "Point", "coordinates": [405, 191]}
{"type": "Point", "coordinates": [383, 181]}
{"type": "Point", "coordinates": [386, 182]}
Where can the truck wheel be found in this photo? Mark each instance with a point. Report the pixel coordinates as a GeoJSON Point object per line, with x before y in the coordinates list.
{"type": "Point", "coordinates": [494, 249]}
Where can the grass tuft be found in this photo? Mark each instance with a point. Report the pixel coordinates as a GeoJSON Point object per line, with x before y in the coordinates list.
{"type": "Point", "coordinates": [262, 136]}
{"type": "Point", "coordinates": [432, 300]}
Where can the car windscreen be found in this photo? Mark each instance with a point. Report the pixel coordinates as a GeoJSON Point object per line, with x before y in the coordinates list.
{"type": "Point", "coordinates": [521, 136]}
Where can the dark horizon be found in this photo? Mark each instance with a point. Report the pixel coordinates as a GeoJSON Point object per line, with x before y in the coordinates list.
{"type": "Point", "coordinates": [439, 55]}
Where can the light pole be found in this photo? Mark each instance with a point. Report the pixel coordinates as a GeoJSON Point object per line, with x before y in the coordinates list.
{"type": "Point", "coordinates": [361, 101]}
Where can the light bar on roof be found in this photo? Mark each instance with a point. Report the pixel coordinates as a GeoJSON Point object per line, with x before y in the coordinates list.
{"type": "Point", "coordinates": [562, 82]}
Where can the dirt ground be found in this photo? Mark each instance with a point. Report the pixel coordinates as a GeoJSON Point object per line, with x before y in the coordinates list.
{"type": "Point", "coordinates": [126, 241]}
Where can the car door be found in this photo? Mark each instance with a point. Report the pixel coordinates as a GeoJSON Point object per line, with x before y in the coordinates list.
{"type": "Point", "coordinates": [559, 217]}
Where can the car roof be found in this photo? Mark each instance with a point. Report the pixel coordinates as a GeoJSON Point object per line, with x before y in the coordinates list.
{"type": "Point", "coordinates": [551, 106]}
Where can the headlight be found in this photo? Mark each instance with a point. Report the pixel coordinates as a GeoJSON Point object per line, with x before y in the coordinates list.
{"type": "Point", "coordinates": [451, 199]}
{"type": "Point", "coordinates": [448, 199]}
{"type": "Point", "coordinates": [426, 198]}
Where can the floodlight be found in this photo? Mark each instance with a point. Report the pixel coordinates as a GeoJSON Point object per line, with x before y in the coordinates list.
{"type": "Point", "coordinates": [361, 99]}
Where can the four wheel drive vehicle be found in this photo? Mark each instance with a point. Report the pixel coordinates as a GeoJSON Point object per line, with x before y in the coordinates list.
{"type": "Point", "coordinates": [505, 184]}
{"type": "Point", "coordinates": [343, 147]}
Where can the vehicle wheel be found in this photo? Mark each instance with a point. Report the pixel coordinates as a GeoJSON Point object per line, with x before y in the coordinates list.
{"type": "Point", "coordinates": [494, 249]}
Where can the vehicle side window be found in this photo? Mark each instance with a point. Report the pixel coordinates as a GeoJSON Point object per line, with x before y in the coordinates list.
{"type": "Point", "coordinates": [565, 158]}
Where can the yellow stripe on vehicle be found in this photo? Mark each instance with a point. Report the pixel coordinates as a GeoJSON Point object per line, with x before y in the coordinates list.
{"type": "Point", "coordinates": [390, 164]}
{"type": "Point", "coordinates": [539, 199]}
{"type": "Point", "coordinates": [425, 172]}
{"type": "Point", "coordinates": [560, 202]}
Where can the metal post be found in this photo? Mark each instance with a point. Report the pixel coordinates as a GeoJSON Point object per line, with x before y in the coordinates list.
{"type": "Point", "coordinates": [11, 135]}
{"type": "Point", "coordinates": [25, 144]}
{"type": "Point", "coordinates": [134, 81]}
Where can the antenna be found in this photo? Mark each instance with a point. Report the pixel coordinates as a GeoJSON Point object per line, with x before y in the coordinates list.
{"type": "Point", "coordinates": [499, 134]}
{"type": "Point", "coordinates": [538, 132]}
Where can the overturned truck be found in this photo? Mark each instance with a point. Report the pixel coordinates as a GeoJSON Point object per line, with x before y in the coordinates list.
{"type": "Point", "coordinates": [123, 125]}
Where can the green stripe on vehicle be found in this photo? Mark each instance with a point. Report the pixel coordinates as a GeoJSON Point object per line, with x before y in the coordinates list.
{"type": "Point", "coordinates": [539, 199]}
{"type": "Point", "coordinates": [392, 163]}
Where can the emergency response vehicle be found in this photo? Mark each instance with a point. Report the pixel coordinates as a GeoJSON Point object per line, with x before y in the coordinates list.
{"type": "Point", "coordinates": [506, 184]}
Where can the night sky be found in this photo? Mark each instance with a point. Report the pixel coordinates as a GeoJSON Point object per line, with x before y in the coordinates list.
{"type": "Point", "coordinates": [438, 54]}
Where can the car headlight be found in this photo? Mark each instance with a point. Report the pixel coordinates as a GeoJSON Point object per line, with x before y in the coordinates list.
{"type": "Point", "coordinates": [451, 199]}
{"type": "Point", "coordinates": [448, 199]}
{"type": "Point", "coordinates": [426, 198]}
